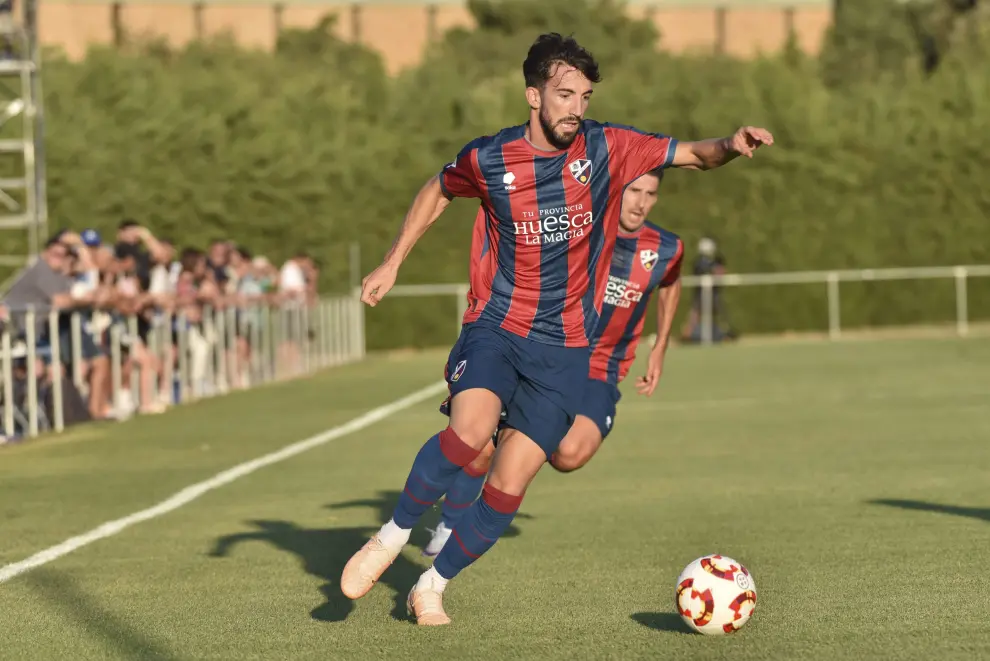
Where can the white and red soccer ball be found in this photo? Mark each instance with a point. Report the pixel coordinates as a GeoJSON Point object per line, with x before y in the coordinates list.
{"type": "Point", "coordinates": [715, 595]}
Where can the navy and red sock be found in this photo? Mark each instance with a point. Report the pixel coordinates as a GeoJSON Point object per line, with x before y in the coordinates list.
{"type": "Point", "coordinates": [435, 468]}
{"type": "Point", "coordinates": [477, 531]}
{"type": "Point", "coordinates": [462, 493]}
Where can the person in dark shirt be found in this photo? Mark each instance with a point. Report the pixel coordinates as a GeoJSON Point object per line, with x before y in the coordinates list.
{"type": "Point", "coordinates": [218, 259]}
{"type": "Point", "coordinates": [708, 262]}
{"type": "Point", "coordinates": [138, 241]}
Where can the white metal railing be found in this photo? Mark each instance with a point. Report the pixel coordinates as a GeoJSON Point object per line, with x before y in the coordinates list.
{"type": "Point", "coordinates": [165, 360]}
{"type": "Point", "coordinates": [831, 280]}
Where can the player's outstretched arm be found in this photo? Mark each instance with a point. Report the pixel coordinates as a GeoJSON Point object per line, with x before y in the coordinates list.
{"type": "Point", "coordinates": [429, 203]}
{"type": "Point", "coordinates": [670, 297]}
{"type": "Point", "coordinates": [710, 154]}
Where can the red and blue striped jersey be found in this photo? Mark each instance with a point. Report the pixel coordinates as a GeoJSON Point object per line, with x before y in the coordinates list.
{"type": "Point", "coordinates": [550, 221]}
{"type": "Point", "coordinates": [643, 262]}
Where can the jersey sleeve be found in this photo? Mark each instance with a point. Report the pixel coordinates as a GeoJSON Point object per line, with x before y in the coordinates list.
{"type": "Point", "coordinates": [462, 176]}
{"type": "Point", "coordinates": [673, 272]}
{"type": "Point", "coordinates": [639, 152]}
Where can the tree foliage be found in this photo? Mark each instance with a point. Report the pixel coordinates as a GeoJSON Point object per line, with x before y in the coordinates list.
{"type": "Point", "coordinates": [880, 160]}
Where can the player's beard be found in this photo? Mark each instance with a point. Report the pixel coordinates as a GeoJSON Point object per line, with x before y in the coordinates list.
{"type": "Point", "coordinates": [556, 139]}
{"type": "Point", "coordinates": [630, 224]}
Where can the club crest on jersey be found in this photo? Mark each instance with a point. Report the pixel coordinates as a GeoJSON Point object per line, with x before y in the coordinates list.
{"type": "Point", "coordinates": [581, 170]}
{"type": "Point", "coordinates": [648, 258]}
{"type": "Point", "coordinates": [458, 371]}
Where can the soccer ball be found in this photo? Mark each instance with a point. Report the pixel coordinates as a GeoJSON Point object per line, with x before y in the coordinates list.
{"type": "Point", "coordinates": [715, 595]}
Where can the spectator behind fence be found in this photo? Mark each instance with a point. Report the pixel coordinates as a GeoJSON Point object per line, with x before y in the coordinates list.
{"type": "Point", "coordinates": [130, 298]}
{"type": "Point", "coordinates": [48, 284]}
{"type": "Point", "coordinates": [249, 295]}
{"type": "Point", "coordinates": [43, 285]}
{"type": "Point", "coordinates": [311, 269]}
{"type": "Point", "coordinates": [88, 261]}
{"type": "Point", "coordinates": [292, 286]}
{"type": "Point", "coordinates": [217, 261]}
{"type": "Point", "coordinates": [163, 276]}
{"type": "Point", "coordinates": [134, 302]}
{"type": "Point", "coordinates": [709, 262]}
{"type": "Point", "coordinates": [133, 239]}
{"type": "Point", "coordinates": [197, 288]}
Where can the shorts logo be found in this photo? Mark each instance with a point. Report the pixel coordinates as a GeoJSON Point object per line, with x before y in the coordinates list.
{"type": "Point", "coordinates": [608, 422]}
{"type": "Point", "coordinates": [581, 170]}
{"type": "Point", "coordinates": [648, 258]}
{"type": "Point", "coordinates": [458, 371]}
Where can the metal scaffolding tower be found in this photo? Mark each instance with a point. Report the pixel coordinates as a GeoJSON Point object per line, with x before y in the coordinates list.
{"type": "Point", "coordinates": [22, 164]}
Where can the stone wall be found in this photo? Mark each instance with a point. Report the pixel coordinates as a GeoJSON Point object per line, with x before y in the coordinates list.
{"type": "Point", "coordinates": [401, 31]}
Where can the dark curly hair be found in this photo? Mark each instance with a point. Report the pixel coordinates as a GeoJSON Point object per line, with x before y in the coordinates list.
{"type": "Point", "coordinates": [552, 48]}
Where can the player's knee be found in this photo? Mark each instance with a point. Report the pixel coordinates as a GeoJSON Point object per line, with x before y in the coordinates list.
{"type": "Point", "coordinates": [483, 462]}
{"type": "Point", "coordinates": [570, 459]}
{"type": "Point", "coordinates": [474, 416]}
{"type": "Point", "coordinates": [474, 434]}
{"type": "Point", "coordinates": [578, 447]}
{"type": "Point", "coordinates": [474, 431]}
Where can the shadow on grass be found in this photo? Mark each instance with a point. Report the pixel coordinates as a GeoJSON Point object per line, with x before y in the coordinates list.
{"type": "Point", "coordinates": [981, 513]}
{"type": "Point", "coordinates": [65, 598]}
{"type": "Point", "coordinates": [324, 552]}
{"type": "Point", "coordinates": [662, 622]}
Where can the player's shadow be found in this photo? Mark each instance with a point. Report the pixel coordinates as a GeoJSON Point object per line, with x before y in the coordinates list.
{"type": "Point", "coordinates": [982, 513]}
{"type": "Point", "coordinates": [324, 552]}
{"type": "Point", "coordinates": [662, 622]}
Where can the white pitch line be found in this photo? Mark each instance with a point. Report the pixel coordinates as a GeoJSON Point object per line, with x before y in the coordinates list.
{"type": "Point", "coordinates": [194, 491]}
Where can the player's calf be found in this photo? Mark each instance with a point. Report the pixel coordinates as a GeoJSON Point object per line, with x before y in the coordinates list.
{"type": "Point", "coordinates": [486, 520]}
{"type": "Point", "coordinates": [462, 493]}
{"type": "Point", "coordinates": [436, 466]}
{"type": "Point", "coordinates": [578, 447]}
{"type": "Point", "coordinates": [440, 461]}
{"type": "Point", "coordinates": [518, 461]}
{"type": "Point", "coordinates": [516, 464]}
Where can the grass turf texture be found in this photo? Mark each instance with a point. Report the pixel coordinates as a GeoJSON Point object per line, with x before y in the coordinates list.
{"type": "Point", "coordinates": [851, 479]}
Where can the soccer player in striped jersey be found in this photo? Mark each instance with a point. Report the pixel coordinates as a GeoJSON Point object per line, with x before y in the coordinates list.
{"type": "Point", "coordinates": [550, 189]}
{"type": "Point", "coordinates": [647, 258]}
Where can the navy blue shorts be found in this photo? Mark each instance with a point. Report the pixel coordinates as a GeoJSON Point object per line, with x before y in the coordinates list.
{"type": "Point", "coordinates": [540, 385]}
{"type": "Point", "coordinates": [599, 402]}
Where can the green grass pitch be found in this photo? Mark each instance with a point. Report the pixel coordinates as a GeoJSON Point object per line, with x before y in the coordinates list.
{"type": "Point", "coordinates": [852, 479]}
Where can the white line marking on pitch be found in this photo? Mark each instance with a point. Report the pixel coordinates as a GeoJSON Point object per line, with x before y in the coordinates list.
{"type": "Point", "coordinates": [194, 491]}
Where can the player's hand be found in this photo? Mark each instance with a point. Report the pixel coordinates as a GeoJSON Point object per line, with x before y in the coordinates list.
{"type": "Point", "coordinates": [645, 385]}
{"type": "Point", "coordinates": [750, 138]}
{"type": "Point", "coordinates": [378, 283]}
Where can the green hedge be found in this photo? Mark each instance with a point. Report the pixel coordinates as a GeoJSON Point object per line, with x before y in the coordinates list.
{"type": "Point", "coordinates": [876, 164]}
